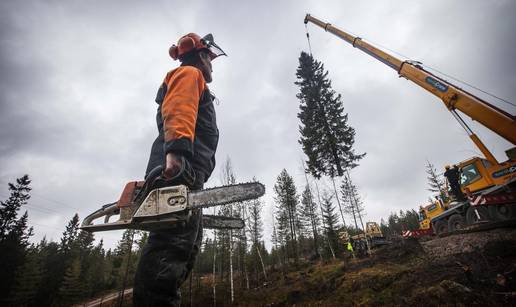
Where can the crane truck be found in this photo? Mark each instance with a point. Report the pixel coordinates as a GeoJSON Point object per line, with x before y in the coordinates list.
{"type": "Point", "coordinates": [362, 242]}
{"type": "Point", "coordinates": [490, 185]}
{"type": "Point", "coordinates": [426, 213]}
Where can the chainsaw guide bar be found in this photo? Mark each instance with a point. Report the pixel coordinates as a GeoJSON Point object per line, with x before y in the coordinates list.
{"type": "Point", "coordinates": [170, 207]}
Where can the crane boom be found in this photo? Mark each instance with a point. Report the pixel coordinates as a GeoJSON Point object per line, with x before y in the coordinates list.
{"type": "Point", "coordinates": [454, 98]}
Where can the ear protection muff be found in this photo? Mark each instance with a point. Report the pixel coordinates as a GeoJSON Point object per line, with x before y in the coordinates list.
{"type": "Point", "coordinates": [184, 45]}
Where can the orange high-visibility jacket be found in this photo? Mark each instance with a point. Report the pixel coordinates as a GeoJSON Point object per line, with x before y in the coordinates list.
{"type": "Point", "coordinates": [186, 119]}
{"type": "Point", "coordinates": [180, 105]}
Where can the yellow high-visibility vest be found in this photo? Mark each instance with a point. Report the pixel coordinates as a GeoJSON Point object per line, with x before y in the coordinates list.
{"type": "Point", "coordinates": [350, 247]}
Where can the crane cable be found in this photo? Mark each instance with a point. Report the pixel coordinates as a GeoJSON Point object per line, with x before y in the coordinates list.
{"type": "Point", "coordinates": [308, 39]}
{"type": "Point", "coordinates": [444, 74]}
{"type": "Point", "coordinates": [472, 86]}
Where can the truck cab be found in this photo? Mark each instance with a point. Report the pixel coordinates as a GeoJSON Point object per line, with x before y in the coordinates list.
{"type": "Point", "coordinates": [477, 174]}
{"type": "Point", "coordinates": [427, 212]}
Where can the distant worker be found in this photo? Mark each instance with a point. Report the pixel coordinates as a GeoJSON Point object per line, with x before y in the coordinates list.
{"type": "Point", "coordinates": [350, 249]}
{"type": "Point", "coordinates": [453, 176]}
{"type": "Point", "coordinates": [183, 153]}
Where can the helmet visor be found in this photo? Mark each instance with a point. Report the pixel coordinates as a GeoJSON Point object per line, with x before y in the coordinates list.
{"type": "Point", "coordinates": [213, 48]}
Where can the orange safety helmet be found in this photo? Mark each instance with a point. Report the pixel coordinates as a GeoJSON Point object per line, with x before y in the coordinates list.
{"type": "Point", "coordinates": [193, 42]}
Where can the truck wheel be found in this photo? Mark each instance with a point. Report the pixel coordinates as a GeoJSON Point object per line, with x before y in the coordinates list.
{"type": "Point", "coordinates": [501, 212]}
{"type": "Point", "coordinates": [472, 218]}
{"type": "Point", "coordinates": [455, 222]}
{"type": "Point", "coordinates": [440, 227]}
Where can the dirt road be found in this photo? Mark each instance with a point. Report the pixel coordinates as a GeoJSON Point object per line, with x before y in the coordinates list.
{"type": "Point", "coordinates": [106, 300]}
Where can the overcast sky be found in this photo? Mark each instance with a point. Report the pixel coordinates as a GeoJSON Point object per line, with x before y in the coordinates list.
{"type": "Point", "coordinates": [78, 81]}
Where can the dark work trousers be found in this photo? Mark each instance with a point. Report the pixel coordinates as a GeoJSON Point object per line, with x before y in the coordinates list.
{"type": "Point", "coordinates": [169, 255]}
{"type": "Point", "coordinates": [166, 261]}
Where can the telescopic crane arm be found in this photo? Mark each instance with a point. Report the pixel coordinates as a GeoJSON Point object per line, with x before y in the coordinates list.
{"type": "Point", "coordinates": [454, 98]}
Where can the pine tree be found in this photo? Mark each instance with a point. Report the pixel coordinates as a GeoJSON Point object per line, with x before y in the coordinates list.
{"type": "Point", "coordinates": [408, 220]}
{"type": "Point", "coordinates": [256, 232]}
{"type": "Point", "coordinates": [330, 221]}
{"type": "Point", "coordinates": [123, 251]}
{"type": "Point", "coordinates": [255, 221]}
{"type": "Point", "coordinates": [310, 218]}
{"type": "Point", "coordinates": [95, 270]}
{"type": "Point", "coordinates": [287, 216]}
{"type": "Point", "coordinates": [68, 269]}
{"type": "Point", "coordinates": [14, 233]}
{"type": "Point", "coordinates": [226, 237]}
{"type": "Point", "coordinates": [394, 224]}
{"type": "Point", "coordinates": [436, 183]}
{"type": "Point", "coordinates": [85, 241]}
{"type": "Point", "coordinates": [326, 138]}
{"type": "Point", "coordinates": [112, 276]}
{"type": "Point", "coordinates": [384, 227]}
{"type": "Point", "coordinates": [397, 222]}
{"type": "Point", "coordinates": [276, 240]}
{"type": "Point", "coordinates": [69, 240]}
{"type": "Point", "coordinates": [54, 269]}
{"type": "Point", "coordinates": [84, 246]}
{"type": "Point", "coordinates": [241, 246]}
{"type": "Point", "coordinates": [28, 279]}
{"type": "Point", "coordinates": [144, 237]}
{"type": "Point", "coordinates": [72, 288]}
{"type": "Point", "coordinates": [353, 204]}
{"type": "Point", "coordinates": [10, 226]}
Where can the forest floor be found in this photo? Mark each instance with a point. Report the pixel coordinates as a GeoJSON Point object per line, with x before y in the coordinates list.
{"type": "Point", "coordinates": [473, 269]}
{"type": "Point", "coordinates": [468, 269]}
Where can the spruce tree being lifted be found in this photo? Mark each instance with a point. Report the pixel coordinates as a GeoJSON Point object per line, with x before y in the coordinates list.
{"type": "Point", "coordinates": [326, 137]}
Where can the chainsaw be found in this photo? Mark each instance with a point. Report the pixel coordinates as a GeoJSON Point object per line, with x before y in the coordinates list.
{"type": "Point", "coordinates": [148, 206]}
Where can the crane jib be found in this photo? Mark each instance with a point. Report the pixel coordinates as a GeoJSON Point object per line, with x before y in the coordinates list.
{"type": "Point", "coordinates": [374, 55]}
{"type": "Point", "coordinates": [395, 67]}
{"type": "Point", "coordinates": [437, 84]}
{"type": "Point", "coordinates": [492, 117]}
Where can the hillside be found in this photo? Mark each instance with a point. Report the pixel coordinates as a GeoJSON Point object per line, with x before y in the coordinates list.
{"type": "Point", "coordinates": [408, 272]}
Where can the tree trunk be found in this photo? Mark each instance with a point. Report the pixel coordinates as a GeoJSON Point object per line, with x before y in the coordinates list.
{"type": "Point", "coordinates": [314, 231]}
{"type": "Point", "coordinates": [124, 282]}
{"type": "Point", "coordinates": [354, 215]}
{"type": "Point", "coordinates": [261, 261]}
{"type": "Point", "coordinates": [349, 187]}
{"type": "Point", "coordinates": [276, 236]}
{"type": "Point", "coordinates": [292, 222]}
{"type": "Point", "coordinates": [312, 218]}
{"type": "Point", "coordinates": [214, 266]}
{"type": "Point", "coordinates": [359, 215]}
{"type": "Point", "coordinates": [338, 201]}
{"type": "Point", "coordinates": [190, 287]}
{"type": "Point", "coordinates": [231, 262]}
{"type": "Point", "coordinates": [245, 249]}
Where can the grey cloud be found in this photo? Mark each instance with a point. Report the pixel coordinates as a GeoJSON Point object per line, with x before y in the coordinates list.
{"type": "Point", "coordinates": [78, 81]}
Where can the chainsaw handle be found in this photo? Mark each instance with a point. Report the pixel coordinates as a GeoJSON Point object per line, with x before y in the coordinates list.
{"type": "Point", "coordinates": [106, 210]}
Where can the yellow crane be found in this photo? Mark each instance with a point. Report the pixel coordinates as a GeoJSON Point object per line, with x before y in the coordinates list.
{"type": "Point", "coordinates": [489, 184]}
